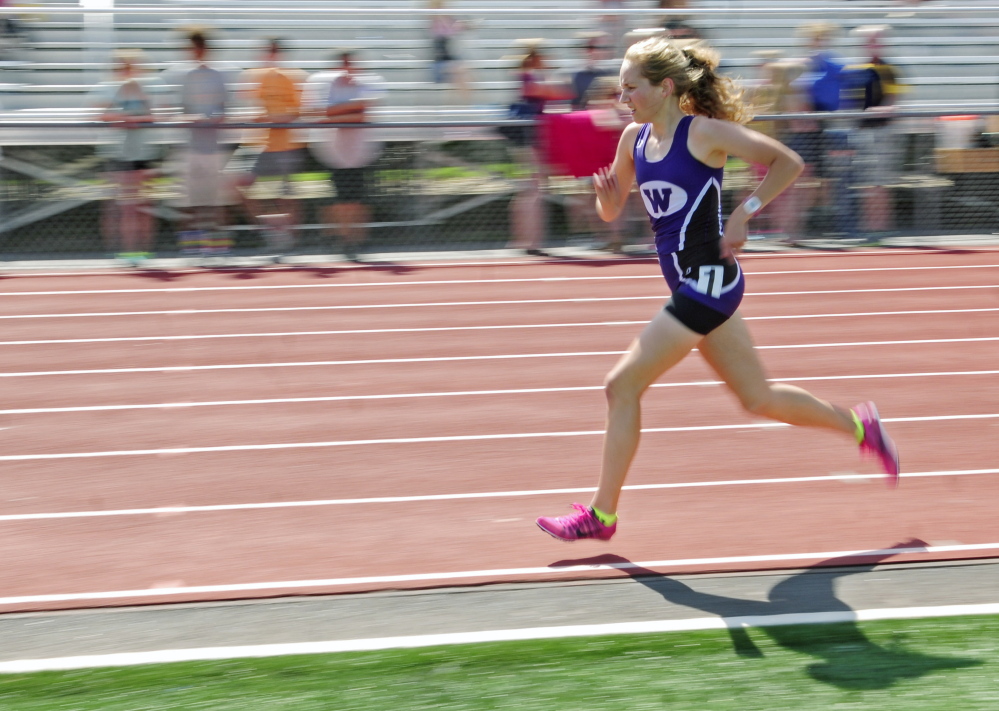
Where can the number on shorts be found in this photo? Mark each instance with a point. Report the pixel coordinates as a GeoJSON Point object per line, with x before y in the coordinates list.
{"type": "Point", "coordinates": [709, 280]}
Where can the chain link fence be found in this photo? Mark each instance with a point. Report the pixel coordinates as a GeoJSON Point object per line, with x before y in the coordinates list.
{"type": "Point", "coordinates": [465, 186]}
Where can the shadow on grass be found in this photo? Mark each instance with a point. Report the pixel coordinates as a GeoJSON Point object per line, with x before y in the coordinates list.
{"type": "Point", "coordinates": [847, 658]}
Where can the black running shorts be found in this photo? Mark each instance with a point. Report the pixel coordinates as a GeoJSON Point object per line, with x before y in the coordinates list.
{"type": "Point", "coordinates": [695, 315]}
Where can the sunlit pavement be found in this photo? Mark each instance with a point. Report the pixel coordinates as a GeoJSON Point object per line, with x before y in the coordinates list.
{"type": "Point", "coordinates": [496, 607]}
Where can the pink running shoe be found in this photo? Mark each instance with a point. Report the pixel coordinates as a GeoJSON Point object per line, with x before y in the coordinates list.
{"type": "Point", "coordinates": [877, 444]}
{"type": "Point", "coordinates": [582, 524]}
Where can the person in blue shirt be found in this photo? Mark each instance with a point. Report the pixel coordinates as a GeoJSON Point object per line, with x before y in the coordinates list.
{"type": "Point", "coordinates": [596, 47]}
{"type": "Point", "coordinates": [687, 122]}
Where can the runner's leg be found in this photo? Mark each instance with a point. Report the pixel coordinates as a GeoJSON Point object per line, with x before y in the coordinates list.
{"type": "Point", "coordinates": [729, 351]}
{"type": "Point", "coordinates": [663, 344]}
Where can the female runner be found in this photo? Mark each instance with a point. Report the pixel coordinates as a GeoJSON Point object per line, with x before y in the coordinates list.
{"type": "Point", "coordinates": [687, 121]}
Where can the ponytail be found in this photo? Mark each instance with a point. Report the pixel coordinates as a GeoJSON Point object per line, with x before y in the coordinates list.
{"type": "Point", "coordinates": [709, 93]}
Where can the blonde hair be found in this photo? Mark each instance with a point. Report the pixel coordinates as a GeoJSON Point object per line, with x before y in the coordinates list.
{"type": "Point", "coordinates": [533, 50]}
{"type": "Point", "coordinates": [821, 31]}
{"type": "Point", "coordinates": [128, 57]}
{"type": "Point", "coordinates": [777, 95]}
{"type": "Point", "coordinates": [692, 69]}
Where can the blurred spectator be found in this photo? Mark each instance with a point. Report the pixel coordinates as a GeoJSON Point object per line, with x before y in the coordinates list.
{"type": "Point", "coordinates": [613, 23]}
{"type": "Point", "coordinates": [447, 65]}
{"type": "Point", "coordinates": [537, 87]}
{"type": "Point", "coordinates": [824, 73]}
{"type": "Point", "coordinates": [202, 101]}
{"type": "Point", "coordinates": [12, 34]}
{"type": "Point", "coordinates": [610, 117]}
{"type": "Point", "coordinates": [343, 95]}
{"type": "Point", "coordinates": [763, 94]}
{"type": "Point", "coordinates": [603, 101]}
{"type": "Point", "coordinates": [527, 217]}
{"type": "Point", "coordinates": [276, 92]}
{"type": "Point", "coordinates": [535, 90]}
{"type": "Point", "coordinates": [825, 145]}
{"type": "Point", "coordinates": [128, 101]}
{"type": "Point", "coordinates": [598, 49]}
{"type": "Point", "coordinates": [780, 93]}
{"type": "Point", "coordinates": [874, 88]}
{"type": "Point", "coordinates": [675, 23]}
{"type": "Point", "coordinates": [597, 128]}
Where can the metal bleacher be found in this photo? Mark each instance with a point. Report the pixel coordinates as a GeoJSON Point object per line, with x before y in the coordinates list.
{"type": "Point", "coordinates": [57, 68]}
{"type": "Point", "coordinates": [946, 49]}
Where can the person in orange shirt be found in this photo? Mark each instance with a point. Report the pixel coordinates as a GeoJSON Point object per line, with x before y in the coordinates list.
{"type": "Point", "coordinates": [277, 93]}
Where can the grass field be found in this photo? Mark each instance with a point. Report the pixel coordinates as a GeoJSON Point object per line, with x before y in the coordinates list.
{"type": "Point", "coordinates": [950, 663]}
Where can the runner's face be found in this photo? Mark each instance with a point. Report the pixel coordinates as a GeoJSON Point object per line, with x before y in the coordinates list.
{"type": "Point", "coordinates": [639, 95]}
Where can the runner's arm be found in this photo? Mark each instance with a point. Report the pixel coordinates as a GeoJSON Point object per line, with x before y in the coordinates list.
{"type": "Point", "coordinates": [712, 141]}
{"type": "Point", "coordinates": [613, 183]}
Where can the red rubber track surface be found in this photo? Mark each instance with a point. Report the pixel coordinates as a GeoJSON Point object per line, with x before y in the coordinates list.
{"type": "Point", "coordinates": [427, 381]}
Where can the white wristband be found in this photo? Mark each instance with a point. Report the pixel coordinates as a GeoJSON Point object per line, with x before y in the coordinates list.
{"type": "Point", "coordinates": [752, 205]}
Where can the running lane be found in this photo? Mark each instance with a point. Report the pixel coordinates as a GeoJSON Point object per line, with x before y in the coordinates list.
{"type": "Point", "coordinates": [202, 436]}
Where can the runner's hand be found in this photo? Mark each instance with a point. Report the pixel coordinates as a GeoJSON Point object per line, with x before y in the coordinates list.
{"type": "Point", "coordinates": [606, 187]}
{"type": "Point", "coordinates": [736, 232]}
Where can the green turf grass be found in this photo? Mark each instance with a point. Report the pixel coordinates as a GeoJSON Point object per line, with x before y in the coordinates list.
{"type": "Point", "coordinates": [913, 665]}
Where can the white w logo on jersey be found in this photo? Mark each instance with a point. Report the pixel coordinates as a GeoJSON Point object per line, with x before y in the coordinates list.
{"type": "Point", "coordinates": [662, 198]}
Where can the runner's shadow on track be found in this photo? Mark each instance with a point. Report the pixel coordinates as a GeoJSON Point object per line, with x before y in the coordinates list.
{"type": "Point", "coordinates": [848, 658]}
{"type": "Point", "coordinates": [600, 261]}
{"type": "Point", "coordinates": [255, 272]}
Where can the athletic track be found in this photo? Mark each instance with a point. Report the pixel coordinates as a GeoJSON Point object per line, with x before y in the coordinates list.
{"type": "Point", "coordinates": [198, 435]}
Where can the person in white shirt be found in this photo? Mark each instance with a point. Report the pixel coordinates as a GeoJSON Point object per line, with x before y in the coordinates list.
{"type": "Point", "coordinates": [344, 96]}
{"type": "Point", "coordinates": [203, 102]}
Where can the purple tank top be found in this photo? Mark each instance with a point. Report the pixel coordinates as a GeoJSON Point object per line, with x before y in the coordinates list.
{"type": "Point", "coordinates": [683, 198]}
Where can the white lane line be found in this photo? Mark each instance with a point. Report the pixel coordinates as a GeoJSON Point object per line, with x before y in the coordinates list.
{"type": "Point", "coordinates": [166, 656]}
{"type": "Point", "coordinates": [980, 250]}
{"type": "Point", "coordinates": [869, 313]}
{"type": "Point", "coordinates": [456, 393]}
{"type": "Point", "coordinates": [450, 359]}
{"type": "Point", "coordinates": [499, 302]}
{"type": "Point", "coordinates": [304, 364]}
{"type": "Point", "coordinates": [213, 508]}
{"type": "Point", "coordinates": [488, 574]}
{"type": "Point", "coordinates": [445, 282]}
{"type": "Point", "coordinates": [336, 307]}
{"type": "Point", "coordinates": [439, 329]}
{"type": "Point", "coordinates": [343, 332]}
{"type": "Point", "coordinates": [431, 440]}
